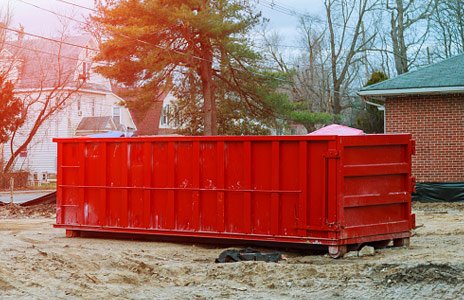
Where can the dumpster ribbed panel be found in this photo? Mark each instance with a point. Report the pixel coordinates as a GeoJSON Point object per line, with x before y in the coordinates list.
{"type": "Point", "coordinates": [311, 190]}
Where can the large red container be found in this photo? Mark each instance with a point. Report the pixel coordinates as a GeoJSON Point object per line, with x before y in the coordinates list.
{"type": "Point", "coordinates": [306, 190]}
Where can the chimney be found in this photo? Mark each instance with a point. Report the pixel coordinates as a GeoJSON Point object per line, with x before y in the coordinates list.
{"type": "Point", "coordinates": [21, 33]}
{"type": "Point", "coordinates": [2, 32]}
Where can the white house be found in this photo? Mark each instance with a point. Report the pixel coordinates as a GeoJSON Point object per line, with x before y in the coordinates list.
{"type": "Point", "coordinates": [59, 75]}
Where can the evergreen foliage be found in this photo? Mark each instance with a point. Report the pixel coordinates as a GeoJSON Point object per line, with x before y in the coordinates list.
{"type": "Point", "coordinates": [200, 50]}
{"type": "Point", "coordinates": [11, 110]}
{"type": "Point", "coordinates": [371, 120]}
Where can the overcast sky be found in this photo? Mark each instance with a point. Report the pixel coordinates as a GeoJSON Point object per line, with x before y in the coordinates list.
{"type": "Point", "coordinates": [42, 22]}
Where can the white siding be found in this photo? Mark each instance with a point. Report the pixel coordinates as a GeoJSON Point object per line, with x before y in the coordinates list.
{"type": "Point", "coordinates": [41, 153]}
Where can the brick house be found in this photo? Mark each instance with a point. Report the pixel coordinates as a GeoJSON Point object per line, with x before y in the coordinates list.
{"type": "Point", "coordinates": [429, 104]}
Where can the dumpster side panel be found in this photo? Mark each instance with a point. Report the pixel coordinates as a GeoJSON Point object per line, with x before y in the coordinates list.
{"type": "Point", "coordinates": [262, 203]}
{"type": "Point", "coordinates": [376, 196]}
{"type": "Point", "coordinates": [266, 187]}
{"type": "Point", "coordinates": [291, 163]}
{"type": "Point", "coordinates": [236, 177]}
{"type": "Point", "coordinates": [318, 185]}
{"type": "Point", "coordinates": [310, 190]}
{"type": "Point", "coordinates": [68, 198]}
{"type": "Point", "coordinates": [162, 199]}
{"type": "Point", "coordinates": [117, 175]}
{"type": "Point", "coordinates": [211, 205]}
{"type": "Point", "coordinates": [186, 196]}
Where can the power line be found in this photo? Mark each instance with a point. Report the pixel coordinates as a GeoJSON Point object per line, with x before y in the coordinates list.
{"type": "Point", "coordinates": [289, 7]}
{"type": "Point", "coordinates": [85, 23]}
{"type": "Point", "coordinates": [125, 36]}
{"type": "Point", "coordinates": [131, 38]}
{"type": "Point", "coordinates": [46, 38]}
{"type": "Point", "coordinates": [280, 8]}
{"type": "Point", "coordinates": [42, 79]}
{"type": "Point", "coordinates": [40, 51]}
{"type": "Point", "coordinates": [77, 5]}
{"type": "Point", "coordinates": [120, 34]}
{"type": "Point", "coordinates": [289, 11]}
{"type": "Point", "coordinates": [50, 11]}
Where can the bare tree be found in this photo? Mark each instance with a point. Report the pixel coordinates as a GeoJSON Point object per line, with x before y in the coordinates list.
{"type": "Point", "coordinates": [409, 29]}
{"type": "Point", "coordinates": [448, 26]}
{"type": "Point", "coordinates": [11, 107]}
{"type": "Point", "coordinates": [334, 60]}
{"type": "Point", "coordinates": [312, 79]}
{"type": "Point", "coordinates": [347, 43]}
{"type": "Point", "coordinates": [307, 69]}
{"type": "Point", "coordinates": [45, 93]}
{"type": "Point", "coordinates": [306, 66]}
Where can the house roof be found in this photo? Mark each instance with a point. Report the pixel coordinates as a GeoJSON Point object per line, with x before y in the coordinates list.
{"type": "Point", "coordinates": [45, 63]}
{"type": "Point", "coordinates": [446, 76]}
{"type": "Point", "coordinates": [147, 120]}
{"type": "Point", "coordinates": [96, 124]}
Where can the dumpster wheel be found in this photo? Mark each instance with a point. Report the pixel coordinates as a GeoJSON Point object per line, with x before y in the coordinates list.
{"type": "Point", "coordinates": [337, 251]}
{"type": "Point", "coordinates": [403, 242]}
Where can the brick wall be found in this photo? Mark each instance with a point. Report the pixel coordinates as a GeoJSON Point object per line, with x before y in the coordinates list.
{"type": "Point", "coordinates": [437, 124]}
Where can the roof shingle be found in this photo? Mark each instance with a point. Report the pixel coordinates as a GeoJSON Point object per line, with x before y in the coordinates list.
{"type": "Point", "coordinates": [46, 63]}
{"type": "Point", "coordinates": [448, 73]}
{"type": "Point", "coordinates": [96, 124]}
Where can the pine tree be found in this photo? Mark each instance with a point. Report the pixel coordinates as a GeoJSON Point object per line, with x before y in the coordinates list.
{"type": "Point", "coordinates": [154, 43]}
{"type": "Point", "coordinates": [371, 120]}
{"type": "Point", "coordinates": [11, 110]}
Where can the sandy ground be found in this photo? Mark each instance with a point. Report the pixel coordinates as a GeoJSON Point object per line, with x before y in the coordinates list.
{"type": "Point", "coordinates": [38, 262]}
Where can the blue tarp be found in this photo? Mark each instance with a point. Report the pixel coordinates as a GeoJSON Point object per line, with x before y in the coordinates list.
{"type": "Point", "coordinates": [112, 134]}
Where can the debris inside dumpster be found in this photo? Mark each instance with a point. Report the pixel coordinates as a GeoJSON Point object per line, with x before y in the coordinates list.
{"type": "Point", "coordinates": [248, 254]}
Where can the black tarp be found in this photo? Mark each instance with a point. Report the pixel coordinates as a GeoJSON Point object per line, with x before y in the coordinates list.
{"type": "Point", "coordinates": [248, 254]}
{"type": "Point", "coordinates": [439, 192]}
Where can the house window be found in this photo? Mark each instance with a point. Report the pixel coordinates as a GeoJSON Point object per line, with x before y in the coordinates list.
{"type": "Point", "coordinates": [84, 75]}
{"type": "Point", "coordinates": [87, 69]}
{"type": "Point", "coordinates": [117, 115]}
{"type": "Point", "coordinates": [165, 115]}
{"type": "Point", "coordinates": [93, 106]}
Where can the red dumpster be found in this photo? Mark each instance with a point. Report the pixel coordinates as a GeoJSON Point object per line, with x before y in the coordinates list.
{"type": "Point", "coordinates": [334, 191]}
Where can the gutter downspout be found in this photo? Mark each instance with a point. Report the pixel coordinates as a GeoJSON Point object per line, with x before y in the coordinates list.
{"type": "Point", "coordinates": [380, 108]}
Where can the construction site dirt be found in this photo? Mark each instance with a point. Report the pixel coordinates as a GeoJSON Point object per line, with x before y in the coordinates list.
{"type": "Point", "coordinates": [39, 262]}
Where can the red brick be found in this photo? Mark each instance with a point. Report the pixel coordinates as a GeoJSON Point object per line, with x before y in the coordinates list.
{"type": "Point", "coordinates": [437, 124]}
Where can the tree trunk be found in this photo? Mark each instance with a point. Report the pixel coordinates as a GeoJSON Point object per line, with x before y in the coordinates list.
{"type": "Point", "coordinates": [209, 105]}
{"type": "Point", "coordinates": [337, 99]}
{"type": "Point", "coordinates": [206, 75]}
{"type": "Point", "coordinates": [397, 36]}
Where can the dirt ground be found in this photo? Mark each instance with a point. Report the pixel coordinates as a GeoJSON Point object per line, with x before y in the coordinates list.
{"type": "Point", "coordinates": [39, 262]}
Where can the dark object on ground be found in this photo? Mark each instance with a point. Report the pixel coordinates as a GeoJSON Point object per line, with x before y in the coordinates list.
{"type": "Point", "coordinates": [44, 206]}
{"type": "Point", "coordinates": [439, 192]}
{"type": "Point", "coordinates": [43, 200]}
{"type": "Point", "coordinates": [248, 254]}
{"type": "Point", "coordinates": [47, 199]}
